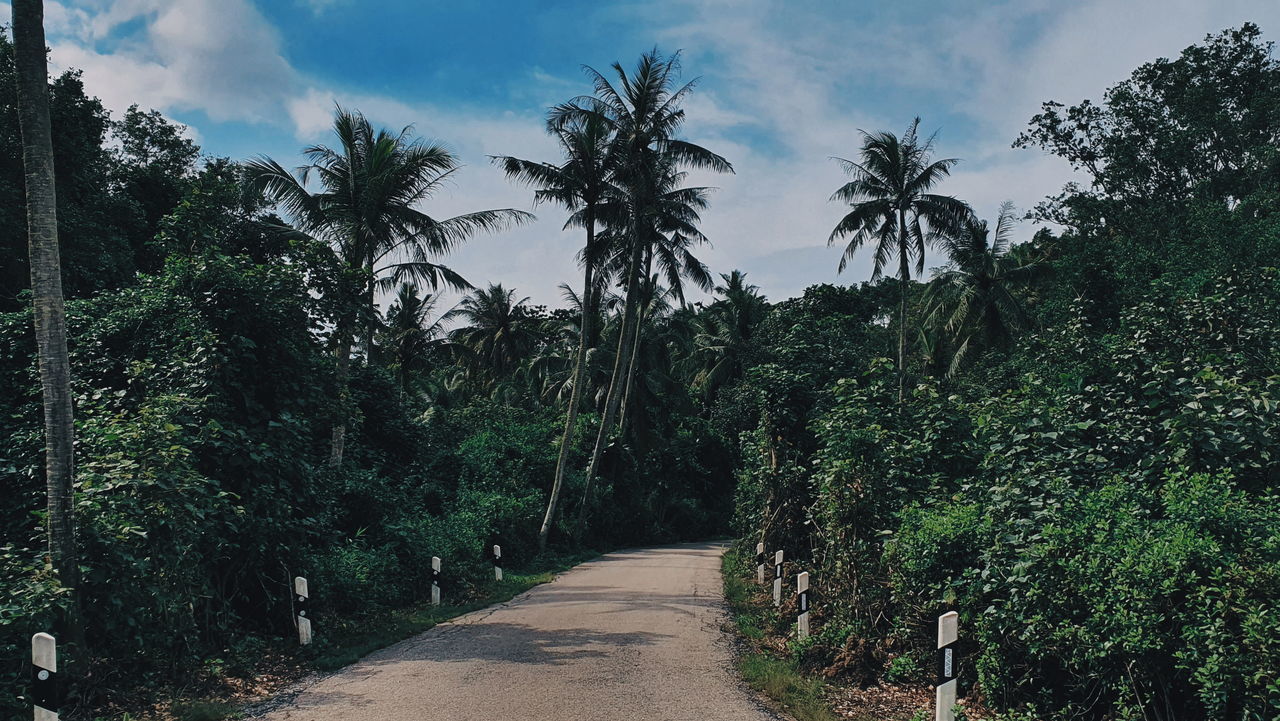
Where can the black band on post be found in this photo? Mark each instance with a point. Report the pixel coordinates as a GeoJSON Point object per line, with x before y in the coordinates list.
{"type": "Point", "coordinates": [777, 571]}
{"type": "Point", "coordinates": [435, 577]}
{"type": "Point", "coordinates": [945, 664]}
{"type": "Point", "coordinates": [300, 605]}
{"type": "Point", "coordinates": [46, 692]}
{"type": "Point", "coordinates": [802, 601]}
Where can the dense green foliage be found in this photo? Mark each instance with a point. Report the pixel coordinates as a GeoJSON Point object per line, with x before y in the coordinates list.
{"type": "Point", "coordinates": [215, 348]}
{"type": "Point", "coordinates": [1077, 449]}
{"type": "Point", "coordinates": [1093, 487]}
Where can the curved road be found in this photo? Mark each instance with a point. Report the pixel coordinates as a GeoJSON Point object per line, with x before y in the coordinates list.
{"type": "Point", "coordinates": [631, 635]}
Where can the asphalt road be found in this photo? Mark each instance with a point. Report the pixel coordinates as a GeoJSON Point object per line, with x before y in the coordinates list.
{"type": "Point", "coordinates": [631, 635]}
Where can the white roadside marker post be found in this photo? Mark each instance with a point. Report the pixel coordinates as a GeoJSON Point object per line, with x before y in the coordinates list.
{"type": "Point", "coordinates": [300, 597]}
{"type": "Point", "coordinates": [497, 563]}
{"type": "Point", "coordinates": [945, 701]}
{"type": "Point", "coordinates": [777, 578]}
{"type": "Point", "coordinates": [760, 563]}
{"type": "Point", "coordinates": [802, 602]}
{"type": "Point", "coordinates": [45, 694]}
{"type": "Point", "coordinates": [435, 580]}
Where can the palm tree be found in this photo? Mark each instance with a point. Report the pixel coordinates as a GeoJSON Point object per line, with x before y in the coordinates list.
{"type": "Point", "coordinates": [366, 209]}
{"type": "Point", "coordinates": [669, 237]}
{"type": "Point", "coordinates": [555, 367]}
{"type": "Point", "coordinates": [47, 303]}
{"type": "Point", "coordinates": [724, 332]}
{"type": "Point", "coordinates": [665, 335]}
{"type": "Point", "coordinates": [500, 334]}
{"type": "Point", "coordinates": [411, 336]}
{"type": "Point", "coordinates": [581, 183]}
{"type": "Point", "coordinates": [643, 111]}
{"type": "Point", "coordinates": [973, 298]}
{"type": "Point", "coordinates": [892, 208]}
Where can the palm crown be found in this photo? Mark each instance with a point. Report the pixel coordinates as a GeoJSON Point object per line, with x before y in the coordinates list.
{"type": "Point", "coordinates": [891, 207]}
{"type": "Point", "coordinates": [973, 298]}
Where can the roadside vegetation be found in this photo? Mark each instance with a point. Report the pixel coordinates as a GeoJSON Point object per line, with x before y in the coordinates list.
{"type": "Point", "coordinates": [248, 674]}
{"type": "Point", "coordinates": [775, 674]}
{"type": "Point", "coordinates": [1084, 464]}
{"type": "Point", "coordinates": [1067, 433]}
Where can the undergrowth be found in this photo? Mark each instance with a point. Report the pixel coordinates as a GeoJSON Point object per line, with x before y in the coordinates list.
{"type": "Point", "coordinates": [777, 677]}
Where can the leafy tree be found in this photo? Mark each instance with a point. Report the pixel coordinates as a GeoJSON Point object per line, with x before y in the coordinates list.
{"type": "Point", "coordinates": [893, 208]}
{"type": "Point", "coordinates": [1202, 125]}
{"type": "Point", "coordinates": [101, 234]}
{"type": "Point", "coordinates": [365, 208]}
{"type": "Point", "coordinates": [1183, 169]}
{"type": "Point", "coordinates": [155, 165]}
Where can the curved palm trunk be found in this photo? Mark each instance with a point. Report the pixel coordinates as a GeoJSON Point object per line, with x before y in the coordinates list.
{"type": "Point", "coordinates": [617, 379]}
{"type": "Point", "coordinates": [48, 309]}
{"type": "Point", "coordinates": [575, 393]}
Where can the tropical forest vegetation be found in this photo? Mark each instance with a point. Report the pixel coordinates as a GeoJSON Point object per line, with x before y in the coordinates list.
{"type": "Point", "coordinates": [1061, 422]}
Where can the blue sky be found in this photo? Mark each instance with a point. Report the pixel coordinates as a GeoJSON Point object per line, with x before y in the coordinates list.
{"type": "Point", "coordinates": [784, 85]}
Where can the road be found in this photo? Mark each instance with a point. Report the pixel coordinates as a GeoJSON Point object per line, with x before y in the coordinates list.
{"type": "Point", "coordinates": [633, 635]}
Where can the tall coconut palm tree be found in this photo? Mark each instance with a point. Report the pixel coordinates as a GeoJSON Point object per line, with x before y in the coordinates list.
{"type": "Point", "coordinates": [580, 184]}
{"type": "Point", "coordinates": [669, 237]}
{"type": "Point", "coordinates": [47, 303]}
{"type": "Point", "coordinates": [892, 208]}
{"type": "Point", "coordinates": [366, 207]}
{"type": "Point", "coordinates": [973, 299]}
{"type": "Point", "coordinates": [555, 366]}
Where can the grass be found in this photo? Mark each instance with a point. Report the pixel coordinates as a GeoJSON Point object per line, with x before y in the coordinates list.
{"type": "Point", "coordinates": [777, 677]}
{"type": "Point", "coordinates": [780, 680]}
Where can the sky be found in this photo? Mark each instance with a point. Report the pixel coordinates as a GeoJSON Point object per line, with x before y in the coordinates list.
{"type": "Point", "coordinates": [782, 86]}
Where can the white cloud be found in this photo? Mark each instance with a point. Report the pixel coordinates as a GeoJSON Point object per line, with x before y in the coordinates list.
{"type": "Point", "coordinates": [220, 57]}
{"type": "Point", "coordinates": [789, 67]}
{"type": "Point", "coordinates": [784, 86]}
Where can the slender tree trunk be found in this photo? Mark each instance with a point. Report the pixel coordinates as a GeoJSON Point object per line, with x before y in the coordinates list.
{"type": "Point", "coordinates": [49, 312]}
{"type": "Point", "coordinates": [338, 434]}
{"type": "Point", "coordinates": [635, 347]}
{"type": "Point", "coordinates": [372, 321]}
{"type": "Point", "coordinates": [617, 379]}
{"type": "Point", "coordinates": [575, 393]}
{"type": "Point", "coordinates": [904, 276]}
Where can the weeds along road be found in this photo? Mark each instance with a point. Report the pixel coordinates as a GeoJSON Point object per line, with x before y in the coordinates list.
{"type": "Point", "coordinates": [631, 635]}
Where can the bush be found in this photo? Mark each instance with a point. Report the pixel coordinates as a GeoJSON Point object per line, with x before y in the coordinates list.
{"type": "Point", "coordinates": [1104, 522]}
